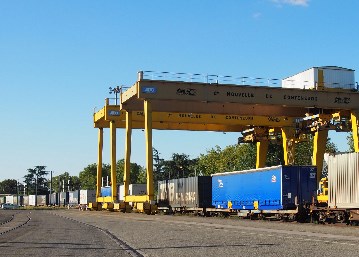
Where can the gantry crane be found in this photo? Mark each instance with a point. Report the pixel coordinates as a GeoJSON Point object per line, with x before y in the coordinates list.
{"type": "Point", "coordinates": [259, 113]}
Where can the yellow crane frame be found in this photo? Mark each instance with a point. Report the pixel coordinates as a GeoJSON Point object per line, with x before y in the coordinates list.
{"type": "Point", "coordinates": [158, 104]}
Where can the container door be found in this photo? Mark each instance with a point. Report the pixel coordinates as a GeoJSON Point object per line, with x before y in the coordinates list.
{"type": "Point", "coordinates": [289, 186]}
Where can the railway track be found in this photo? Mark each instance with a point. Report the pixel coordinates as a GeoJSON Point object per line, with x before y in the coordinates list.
{"type": "Point", "coordinates": [11, 220]}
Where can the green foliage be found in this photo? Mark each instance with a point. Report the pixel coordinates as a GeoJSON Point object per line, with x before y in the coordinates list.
{"type": "Point", "coordinates": [36, 181]}
{"type": "Point", "coordinates": [275, 155]}
{"type": "Point", "coordinates": [137, 172]}
{"type": "Point", "coordinates": [233, 157]}
{"type": "Point", "coordinates": [88, 176]}
{"type": "Point", "coordinates": [66, 182]}
{"type": "Point", "coordinates": [8, 186]}
{"type": "Point", "coordinates": [179, 166]}
{"type": "Point", "coordinates": [350, 141]}
{"type": "Point", "coordinates": [304, 151]}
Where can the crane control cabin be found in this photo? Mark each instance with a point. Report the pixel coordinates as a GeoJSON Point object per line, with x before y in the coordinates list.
{"type": "Point", "coordinates": [311, 102]}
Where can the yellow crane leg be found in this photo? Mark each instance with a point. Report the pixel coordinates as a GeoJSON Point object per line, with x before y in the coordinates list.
{"type": "Point", "coordinates": [99, 162]}
{"type": "Point", "coordinates": [288, 145]}
{"type": "Point", "coordinates": [113, 160]}
{"type": "Point", "coordinates": [319, 141]}
{"type": "Point", "coordinates": [354, 118]}
{"type": "Point", "coordinates": [149, 151]}
{"type": "Point", "coordinates": [126, 175]}
{"type": "Point", "coordinates": [262, 149]}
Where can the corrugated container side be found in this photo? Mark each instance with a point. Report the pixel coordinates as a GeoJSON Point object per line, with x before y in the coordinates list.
{"type": "Point", "coordinates": [192, 192]}
{"type": "Point", "coordinates": [2, 199]}
{"type": "Point", "coordinates": [334, 77]}
{"type": "Point", "coordinates": [74, 197]}
{"type": "Point", "coordinates": [26, 201]}
{"type": "Point", "coordinates": [63, 198]}
{"type": "Point", "coordinates": [41, 200]}
{"type": "Point", "coordinates": [87, 196]}
{"type": "Point", "coordinates": [339, 78]}
{"type": "Point", "coordinates": [137, 189]}
{"type": "Point", "coordinates": [54, 199]}
{"type": "Point", "coordinates": [343, 180]}
{"type": "Point", "coordinates": [133, 189]}
{"type": "Point", "coordinates": [163, 193]}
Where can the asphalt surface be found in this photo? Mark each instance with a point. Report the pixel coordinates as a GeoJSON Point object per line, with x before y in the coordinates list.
{"type": "Point", "coordinates": [40, 233]}
{"type": "Point", "coordinates": [90, 233]}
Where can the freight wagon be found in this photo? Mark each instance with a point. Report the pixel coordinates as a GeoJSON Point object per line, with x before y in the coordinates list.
{"type": "Point", "coordinates": [185, 194]}
{"type": "Point", "coordinates": [279, 191]}
{"type": "Point", "coordinates": [338, 199]}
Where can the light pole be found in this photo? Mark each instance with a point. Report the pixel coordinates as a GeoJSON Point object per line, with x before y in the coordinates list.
{"type": "Point", "coordinates": [36, 190]}
{"type": "Point", "coordinates": [17, 192]}
{"type": "Point", "coordinates": [50, 201]}
{"type": "Point", "coordinates": [115, 91]}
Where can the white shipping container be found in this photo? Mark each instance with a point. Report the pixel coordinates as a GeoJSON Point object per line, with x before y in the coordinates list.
{"type": "Point", "coordinates": [343, 180]}
{"type": "Point", "coordinates": [334, 77]}
{"type": "Point", "coordinates": [25, 200]}
{"type": "Point", "coordinates": [133, 189]}
{"type": "Point", "coordinates": [74, 197]}
{"type": "Point", "coordinates": [120, 192]}
{"type": "Point", "coordinates": [41, 200]}
{"type": "Point", "coordinates": [10, 199]}
{"type": "Point", "coordinates": [87, 196]}
{"type": "Point", "coordinates": [137, 189]}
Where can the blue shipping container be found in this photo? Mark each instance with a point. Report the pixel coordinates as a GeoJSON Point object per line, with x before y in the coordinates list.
{"type": "Point", "coordinates": [106, 191]}
{"type": "Point", "coordinates": [272, 188]}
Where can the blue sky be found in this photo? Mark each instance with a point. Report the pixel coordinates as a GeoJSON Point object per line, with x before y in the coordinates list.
{"type": "Point", "coordinates": [58, 59]}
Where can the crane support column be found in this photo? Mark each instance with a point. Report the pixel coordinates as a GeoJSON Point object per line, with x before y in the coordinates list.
{"type": "Point", "coordinates": [113, 160]}
{"type": "Point", "coordinates": [319, 141]}
{"type": "Point", "coordinates": [354, 119]}
{"type": "Point", "coordinates": [288, 135]}
{"type": "Point", "coordinates": [149, 151]}
{"type": "Point", "coordinates": [99, 162]}
{"type": "Point", "coordinates": [262, 149]}
{"type": "Point", "coordinates": [126, 175]}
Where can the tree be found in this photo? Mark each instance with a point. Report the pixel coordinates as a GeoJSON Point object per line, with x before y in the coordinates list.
{"type": "Point", "coordinates": [158, 164]}
{"type": "Point", "coordinates": [8, 186]}
{"type": "Point", "coordinates": [304, 151]}
{"type": "Point", "coordinates": [36, 181]}
{"type": "Point", "coordinates": [232, 157]}
{"type": "Point", "coordinates": [350, 141]}
{"type": "Point", "coordinates": [275, 155]}
{"type": "Point", "coordinates": [65, 181]}
{"type": "Point", "coordinates": [88, 176]}
{"type": "Point", "coordinates": [179, 166]}
{"type": "Point", "coordinates": [137, 172]}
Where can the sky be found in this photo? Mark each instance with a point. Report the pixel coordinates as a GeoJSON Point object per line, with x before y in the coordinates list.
{"type": "Point", "coordinates": [59, 58]}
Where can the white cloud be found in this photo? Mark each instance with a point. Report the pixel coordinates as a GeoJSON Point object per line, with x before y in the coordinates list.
{"type": "Point", "coordinates": [292, 2]}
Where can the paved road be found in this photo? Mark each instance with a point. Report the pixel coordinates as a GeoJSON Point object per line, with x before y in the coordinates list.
{"type": "Point", "coordinates": [41, 233]}
{"type": "Point", "coordinates": [196, 236]}
{"type": "Point", "coordinates": [89, 233]}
